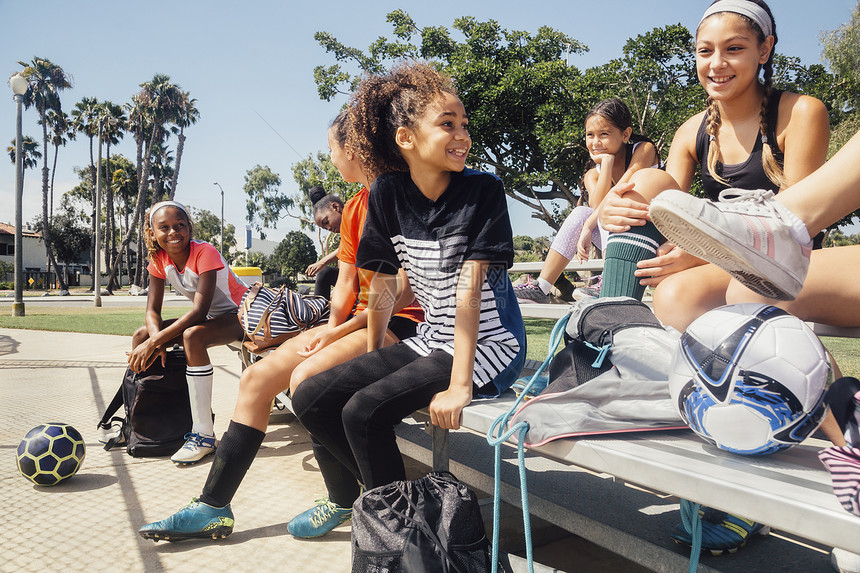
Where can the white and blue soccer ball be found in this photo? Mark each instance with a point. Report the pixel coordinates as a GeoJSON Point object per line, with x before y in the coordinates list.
{"type": "Point", "coordinates": [750, 379]}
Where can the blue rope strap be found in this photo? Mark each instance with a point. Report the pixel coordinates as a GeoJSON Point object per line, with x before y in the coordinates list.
{"type": "Point", "coordinates": [602, 352]}
{"type": "Point", "coordinates": [521, 429]}
{"type": "Point", "coordinates": [693, 524]}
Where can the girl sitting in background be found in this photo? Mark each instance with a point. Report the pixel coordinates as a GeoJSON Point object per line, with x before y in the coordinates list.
{"type": "Point", "coordinates": [327, 212]}
{"type": "Point", "coordinates": [616, 154]}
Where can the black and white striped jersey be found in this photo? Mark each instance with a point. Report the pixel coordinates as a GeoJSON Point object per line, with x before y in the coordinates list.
{"type": "Point", "coordinates": [430, 240]}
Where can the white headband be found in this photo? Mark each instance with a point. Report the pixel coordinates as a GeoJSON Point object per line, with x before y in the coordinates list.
{"type": "Point", "coordinates": [162, 204]}
{"type": "Point", "coordinates": [745, 8]}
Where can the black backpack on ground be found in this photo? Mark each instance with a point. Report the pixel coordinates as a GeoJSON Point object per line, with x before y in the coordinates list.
{"type": "Point", "coordinates": [157, 409]}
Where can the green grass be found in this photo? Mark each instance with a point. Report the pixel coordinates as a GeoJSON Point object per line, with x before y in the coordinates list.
{"type": "Point", "coordinates": [845, 351]}
{"type": "Point", "coordinates": [116, 320]}
{"type": "Point", "coordinates": [125, 320]}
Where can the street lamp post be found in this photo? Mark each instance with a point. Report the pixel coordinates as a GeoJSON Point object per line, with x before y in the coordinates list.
{"type": "Point", "coordinates": [222, 216]}
{"type": "Point", "coordinates": [19, 86]}
{"type": "Point", "coordinates": [97, 271]}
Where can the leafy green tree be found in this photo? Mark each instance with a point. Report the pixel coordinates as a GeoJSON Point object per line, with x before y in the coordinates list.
{"type": "Point", "coordinates": [85, 120]}
{"type": "Point", "coordinates": [265, 205]}
{"type": "Point", "coordinates": [294, 254]}
{"type": "Point", "coordinates": [73, 241]}
{"type": "Point", "coordinates": [79, 202]}
{"type": "Point", "coordinates": [836, 238]}
{"type": "Point", "coordinates": [46, 81]}
{"type": "Point", "coordinates": [113, 128]}
{"type": "Point", "coordinates": [509, 81]}
{"type": "Point", "coordinates": [523, 243]}
{"type": "Point", "coordinates": [526, 104]}
{"type": "Point", "coordinates": [6, 269]}
{"type": "Point", "coordinates": [841, 50]}
{"type": "Point", "coordinates": [207, 227]}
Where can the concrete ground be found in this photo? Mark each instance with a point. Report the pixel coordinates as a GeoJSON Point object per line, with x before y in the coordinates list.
{"type": "Point", "coordinates": [90, 522]}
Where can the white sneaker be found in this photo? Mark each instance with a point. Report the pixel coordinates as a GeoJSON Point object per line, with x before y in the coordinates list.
{"type": "Point", "coordinates": [195, 449]}
{"type": "Point", "coordinates": [844, 561]}
{"type": "Point", "coordinates": [746, 233]}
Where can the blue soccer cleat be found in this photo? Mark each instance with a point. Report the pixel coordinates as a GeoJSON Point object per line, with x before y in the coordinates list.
{"type": "Point", "coordinates": [319, 520]}
{"type": "Point", "coordinates": [196, 520]}
{"type": "Point", "coordinates": [721, 532]}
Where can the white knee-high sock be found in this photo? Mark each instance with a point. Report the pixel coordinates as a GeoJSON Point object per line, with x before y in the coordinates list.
{"type": "Point", "coordinates": [200, 391]}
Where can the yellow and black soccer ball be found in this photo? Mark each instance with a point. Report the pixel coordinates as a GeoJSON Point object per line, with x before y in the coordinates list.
{"type": "Point", "coordinates": [50, 453]}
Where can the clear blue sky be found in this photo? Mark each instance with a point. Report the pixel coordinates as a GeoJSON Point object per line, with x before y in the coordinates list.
{"type": "Point", "coordinates": [244, 60]}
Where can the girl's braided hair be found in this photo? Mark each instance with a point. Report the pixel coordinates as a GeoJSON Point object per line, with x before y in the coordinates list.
{"type": "Point", "coordinates": [772, 168]}
{"type": "Point", "coordinates": [382, 104]}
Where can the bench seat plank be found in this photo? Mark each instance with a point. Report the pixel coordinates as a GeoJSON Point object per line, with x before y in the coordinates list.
{"type": "Point", "coordinates": [789, 490]}
{"type": "Point", "coordinates": [592, 265]}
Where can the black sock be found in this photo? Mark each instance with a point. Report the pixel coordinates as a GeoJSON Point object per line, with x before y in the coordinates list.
{"type": "Point", "coordinates": [236, 451]}
{"type": "Point", "coordinates": [623, 251]}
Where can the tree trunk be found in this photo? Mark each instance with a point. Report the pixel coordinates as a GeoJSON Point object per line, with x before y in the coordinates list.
{"type": "Point", "coordinates": [141, 248]}
{"type": "Point", "coordinates": [142, 184]}
{"type": "Point", "coordinates": [110, 229]}
{"type": "Point", "coordinates": [128, 268]}
{"type": "Point", "coordinates": [46, 222]}
{"type": "Point", "coordinates": [53, 174]}
{"type": "Point", "coordinates": [180, 145]}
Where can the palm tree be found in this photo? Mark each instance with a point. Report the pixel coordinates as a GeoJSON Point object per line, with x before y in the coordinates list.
{"type": "Point", "coordinates": [46, 80]}
{"type": "Point", "coordinates": [85, 119]}
{"type": "Point", "coordinates": [161, 172]}
{"type": "Point", "coordinates": [187, 115]}
{"type": "Point", "coordinates": [151, 109]}
{"type": "Point", "coordinates": [124, 188]}
{"type": "Point", "coordinates": [61, 133]}
{"type": "Point", "coordinates": [113, 128]}
{"type": "Point", "coordinates": [29, 151]}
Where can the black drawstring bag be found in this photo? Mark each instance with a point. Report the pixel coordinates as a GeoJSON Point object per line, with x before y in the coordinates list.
{"type": "Point", "coordinates": [428, 525]}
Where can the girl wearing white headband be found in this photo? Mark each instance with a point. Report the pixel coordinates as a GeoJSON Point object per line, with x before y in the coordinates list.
{"type": "Point", "coordinates": [197, 270]}
{"type": "Point", "coordinates": [750, 136]}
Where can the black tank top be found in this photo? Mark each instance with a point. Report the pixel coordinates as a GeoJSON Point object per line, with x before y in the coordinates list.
{"type": "Point", "coordinates": [749, 174]}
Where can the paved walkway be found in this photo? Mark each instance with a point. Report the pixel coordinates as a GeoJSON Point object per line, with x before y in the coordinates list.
{"type": "Point", "coordinates": [89, 522]}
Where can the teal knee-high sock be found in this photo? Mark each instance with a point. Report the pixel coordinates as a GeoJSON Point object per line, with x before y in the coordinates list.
{"type": "Point", "coordinates": [623, 251]}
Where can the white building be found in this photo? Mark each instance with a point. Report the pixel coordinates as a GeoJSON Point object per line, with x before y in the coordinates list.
{"type": "Point", "coordinates": [33, 249]}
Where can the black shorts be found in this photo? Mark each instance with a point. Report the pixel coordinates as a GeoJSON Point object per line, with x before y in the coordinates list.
{"type": "Point", "coordinates": [402, 327]}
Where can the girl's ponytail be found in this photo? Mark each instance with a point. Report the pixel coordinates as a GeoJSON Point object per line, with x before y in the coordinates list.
{"type": "Point", "coordinates": [772, 167]}
{"type": "Point", "coordinates": [712, 129]}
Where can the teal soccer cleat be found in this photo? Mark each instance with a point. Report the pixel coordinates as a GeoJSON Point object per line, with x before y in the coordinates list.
{"type": "Point", "coordinates": [194, 521]}
{"type": "Point", "coordinates": [319, 520]}
{"type": "Point", "coordinates": [721, 532]}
